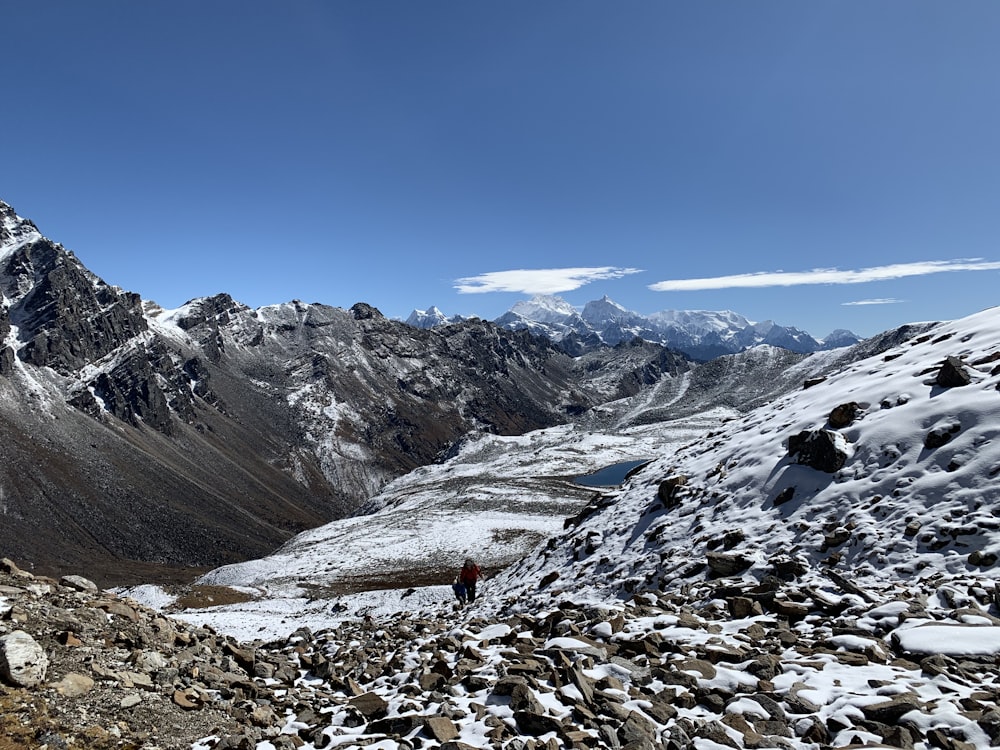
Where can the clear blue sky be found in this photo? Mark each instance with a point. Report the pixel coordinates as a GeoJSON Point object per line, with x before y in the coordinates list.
{"type": "Point", "coordinates": [398, 153]}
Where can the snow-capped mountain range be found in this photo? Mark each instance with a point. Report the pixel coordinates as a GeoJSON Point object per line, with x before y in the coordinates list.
{"type": "Point", "coordinates": [701, 334]}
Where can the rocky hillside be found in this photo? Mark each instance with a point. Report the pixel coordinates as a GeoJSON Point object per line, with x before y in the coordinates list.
{"type": "Point", "coordinates": [711, 665]}
{"type": "Point", "coordinates": [141, 443]}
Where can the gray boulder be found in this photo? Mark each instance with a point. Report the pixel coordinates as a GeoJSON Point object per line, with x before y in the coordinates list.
{"type": "Point", "coordinates": [22, 661]}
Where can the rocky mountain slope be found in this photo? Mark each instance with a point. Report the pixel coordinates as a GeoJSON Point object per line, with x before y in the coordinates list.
{"type": "Point", "coordinates": [820, 571]}
{"type": "Point", "coordinates": [141, 442]}
{"type": "Point", "coordinates": [700, 334]}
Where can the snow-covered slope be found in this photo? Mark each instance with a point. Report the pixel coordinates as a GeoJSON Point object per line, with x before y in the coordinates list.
{"type": "Point", "coordinates": [917, 493]}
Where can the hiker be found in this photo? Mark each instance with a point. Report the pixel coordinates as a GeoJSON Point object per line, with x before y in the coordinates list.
{"type": "Point", "coordinates": [460, 591]}
{"type": "Point", "coordinates": [467, 576]}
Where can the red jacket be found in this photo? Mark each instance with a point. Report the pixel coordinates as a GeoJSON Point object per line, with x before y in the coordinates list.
{"type": "Point", "coordinates": [469, 576]}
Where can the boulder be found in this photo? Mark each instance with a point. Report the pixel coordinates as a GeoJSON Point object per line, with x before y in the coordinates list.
{"type": "Point", "coordinates": [78, 583]}
{"type": "Point", "coordinates": [669, 491]}
{"type": "Point", "coordinates": [441, 729]}
{"type": "Point", "coordinates": [952, 374]}
{"type": "Point", "coordinates": [22, 661]}
{"type": "Point", "coordinates": [941, 435]}
{"type": "Point", "coordinates": [536, 724]}
{"type": "Point", "coordinates": [636, 729]}
{"type": "Point", "coordinates": [890, 711]}
{"type": "Point", "coordinates": [823, 450]}
{"type": "Point", "coordinates": [522, 698]}
{"type": "Point", "coordinates": [398, 725]}
{"type": "Point", "coordinates": [722, 564]}
{"type": "Point", "coordinates": [370, 705]}
{"type": "Point", "coordinates": [74, 685]}
{"type": "Point", "coordinates": [844, 414]}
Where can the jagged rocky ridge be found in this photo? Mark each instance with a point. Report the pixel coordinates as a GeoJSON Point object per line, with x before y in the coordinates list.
{"type": "Point", "coordinates": [700, 334]}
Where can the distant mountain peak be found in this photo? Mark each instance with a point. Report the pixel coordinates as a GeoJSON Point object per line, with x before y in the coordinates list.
{"type": "Point", "coordinates": [701, 334]}
{"type": "Point", "coordinates": [432, 317]}
{"type": "Point", "coordinates": [544, 308]}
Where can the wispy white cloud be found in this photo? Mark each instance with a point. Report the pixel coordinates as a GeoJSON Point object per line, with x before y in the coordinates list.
{"type": "Point", "coordinates": [877, 301]}
{"type": "Point", "coordinates": [538, 280]}
{"type": "Point", "coordinates": [825, 275]}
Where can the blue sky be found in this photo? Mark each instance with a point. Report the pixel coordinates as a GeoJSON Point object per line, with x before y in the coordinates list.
{"type": "Point", "coordinates": [409, 154]}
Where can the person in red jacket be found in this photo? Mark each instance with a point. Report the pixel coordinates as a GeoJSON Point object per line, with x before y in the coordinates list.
{"type": "Point", "coordinates": [467, 576]}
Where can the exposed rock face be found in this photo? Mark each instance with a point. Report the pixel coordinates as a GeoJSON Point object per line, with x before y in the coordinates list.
{"type": "Point", "coordinates": [68, 318]}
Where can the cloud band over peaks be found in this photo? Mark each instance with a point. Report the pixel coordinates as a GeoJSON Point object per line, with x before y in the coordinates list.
{"type": "Point", "coordinates": [538, 280]}
{"type": "Point", "coordinates": [824, 276]}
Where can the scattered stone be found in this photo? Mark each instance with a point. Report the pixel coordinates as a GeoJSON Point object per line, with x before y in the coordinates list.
{"type": "Point", "coordinates": [131, 701]}
{"type": "Point", "coordinates": [441, 729]}
{"type": "Point", "coordinates": [370, 705]}
{"type": "Point", "coordinates": [889, 712]}
{"type": "Point", "coordinates": [784, 496]}
{"type": "Point", "coordinates": [74, 685]}
{"type": "Point", "coordinates": [669, 491]}
{"type": "Point", "coordinates": [722, 564]}
{"type": "Point", "coordinates": [536, 724]}
{"type": "Point", "coordinates": [741, 607]}
{"type": "Point", "coordinates": [982, 559]}
{"type": "Point", "coordinates": [548, 579]}
{"type": "Point", "coordinates": [78, 583]}
{"type": "Point", "coordinates": [941, 435]}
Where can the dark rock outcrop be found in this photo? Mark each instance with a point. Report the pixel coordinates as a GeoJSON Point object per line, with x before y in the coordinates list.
{"type": "Point", "coordinates": [953, 374]}
{"type": "Point", "coordinates": [818, 449]}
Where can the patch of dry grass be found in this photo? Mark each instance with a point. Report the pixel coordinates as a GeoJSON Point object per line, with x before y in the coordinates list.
{"type": "Point", "coordinates": [200, 597]}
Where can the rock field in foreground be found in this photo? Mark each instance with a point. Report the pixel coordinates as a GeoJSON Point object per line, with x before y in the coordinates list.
{"type": "Point", "coordinates": [717, 665]}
